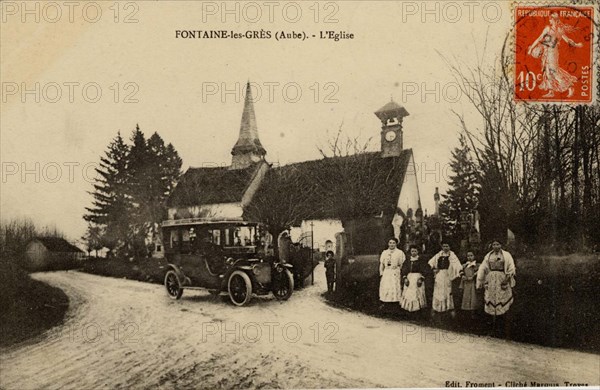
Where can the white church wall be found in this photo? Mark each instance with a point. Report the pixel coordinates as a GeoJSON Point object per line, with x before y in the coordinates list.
{"type": "Point", "coordinates": [409, 194]}
{"type": "Point", "coordinates": [323, 230]}
{"type": "Point", "coordinates": [409, 197]}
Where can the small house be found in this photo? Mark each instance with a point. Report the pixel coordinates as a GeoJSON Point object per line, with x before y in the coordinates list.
{"type": "Point", "coordinates": [44, 252]}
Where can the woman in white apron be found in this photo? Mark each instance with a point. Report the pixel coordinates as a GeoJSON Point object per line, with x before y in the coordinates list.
{"type": "Point", "coordinates": [446, 268]}
{"type": "Point", "coordinates": [497, 275]}
{"type": "Point", "coordinates": [389, 269]}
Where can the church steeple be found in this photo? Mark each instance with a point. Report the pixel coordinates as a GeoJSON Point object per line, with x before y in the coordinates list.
{"type": "Point", "coordinates": [248, 149]}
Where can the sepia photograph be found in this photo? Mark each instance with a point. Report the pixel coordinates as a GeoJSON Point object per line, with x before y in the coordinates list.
{"type": "Point", "coordinates": [299, 194]}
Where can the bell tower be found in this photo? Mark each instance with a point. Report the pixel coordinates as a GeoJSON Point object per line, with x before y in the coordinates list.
{"type": "Point", "coordinates": [391, 116]}
{"type": "Point", "coordinates": [248, 149]}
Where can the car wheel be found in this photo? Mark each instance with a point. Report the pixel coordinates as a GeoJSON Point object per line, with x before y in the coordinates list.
{"type": "Point", "coordinates": [239, 287]}
{"type": "Point", "coordinates": [174, 289]}
{"type": "Point", "coordinates": [283, 285]}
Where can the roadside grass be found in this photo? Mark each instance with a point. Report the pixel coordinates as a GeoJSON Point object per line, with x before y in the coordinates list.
{"type": "Point", "coordinates": [555, 302]}
{"type": "Point", "coordinates": [27, 307]}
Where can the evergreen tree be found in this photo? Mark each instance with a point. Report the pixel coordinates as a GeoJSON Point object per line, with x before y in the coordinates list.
{"type": "Point", "coordinates": [111, 202]}
{"type": "Point", "coordinates": [139, 187]}
{"type": "Point", "coordinates": [153, 171]}
{"type": "Point", "coordinates": [498, 200]}
{"type": "Point", "coordinates": [462, 196]}
{"type": "Point", "coordinates": [130, 192]}
{"type": "Point", "coordinates": [165, 168]}
{"type": "Point", "coordinates": [171, 168]}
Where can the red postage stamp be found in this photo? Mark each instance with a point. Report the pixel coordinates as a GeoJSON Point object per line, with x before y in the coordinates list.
{"type": "Point", "coordinates": [554, 54]}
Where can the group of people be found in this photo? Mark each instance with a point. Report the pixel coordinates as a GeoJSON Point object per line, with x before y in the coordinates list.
{"type": "Point", "coordinates": [403, 280]}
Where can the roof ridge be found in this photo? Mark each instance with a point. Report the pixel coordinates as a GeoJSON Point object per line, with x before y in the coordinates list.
{"type": "Point", "coordinates": [376, 152]}
{"type": "Point", "coordinates": [53, 244]}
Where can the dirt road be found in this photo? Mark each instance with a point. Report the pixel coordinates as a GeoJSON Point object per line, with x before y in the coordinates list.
{"type": "Point", "coordinates": [127, 334]}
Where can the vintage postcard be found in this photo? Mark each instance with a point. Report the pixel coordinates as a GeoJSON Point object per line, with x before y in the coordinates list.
{"type": "Point", "coordinates": [299, 194]}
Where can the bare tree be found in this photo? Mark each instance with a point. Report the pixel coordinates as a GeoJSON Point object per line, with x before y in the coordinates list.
{"type": "Point", "coordinates": [532, 159]}
{"type": "Point", "coordinates": [284, 199]}
{"type": "Point", "coordinates": [341, 144]}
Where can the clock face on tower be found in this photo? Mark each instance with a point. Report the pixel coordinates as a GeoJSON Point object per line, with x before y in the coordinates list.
{"type": "Point", "coordinates": [390, 136]}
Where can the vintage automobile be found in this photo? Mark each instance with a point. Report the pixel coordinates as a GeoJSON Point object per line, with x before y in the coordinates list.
{"type": "Point", "coordinates": [224, 256]}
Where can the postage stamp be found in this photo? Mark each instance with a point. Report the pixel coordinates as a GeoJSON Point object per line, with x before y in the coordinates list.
{"type": "Point", "coordinates": [554, 54]}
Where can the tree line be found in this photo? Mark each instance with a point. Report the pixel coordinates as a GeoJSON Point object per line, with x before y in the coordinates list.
{"type": "Point", "coordinates": [132, 184]}
{"type": "Point", "coordinates": [16, 233]}
{"type": "Point", "coordinates": [530, 168]}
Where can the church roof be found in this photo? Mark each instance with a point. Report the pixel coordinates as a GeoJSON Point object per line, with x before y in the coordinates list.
{"type": "Point", "coordinates": [248, 140]}
{"type": "Point", "coordinates": [368, 183]}
{"type": "Point", "coordinates": [211, 185]}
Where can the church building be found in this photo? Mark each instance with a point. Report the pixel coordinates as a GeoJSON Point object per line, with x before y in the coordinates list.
{"type": "Point", "coordinates": [375, 194]}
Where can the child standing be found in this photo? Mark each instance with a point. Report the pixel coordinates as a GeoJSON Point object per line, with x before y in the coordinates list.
{"type": "Point", "coordinates": [413, 277]}
{"type": "Point", "coordinates": [329, 270]}
{"type": "Point", "coordinates": [470, 299]}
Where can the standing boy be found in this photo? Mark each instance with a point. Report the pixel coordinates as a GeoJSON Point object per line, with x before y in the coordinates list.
{"type": "Point", "coordinates": [329, 270]}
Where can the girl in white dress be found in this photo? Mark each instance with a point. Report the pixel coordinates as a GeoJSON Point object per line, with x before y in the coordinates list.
{"type": "Point", "coordinates": [413, 277]}
{"type": "Point", "coordinates": [390, 263]}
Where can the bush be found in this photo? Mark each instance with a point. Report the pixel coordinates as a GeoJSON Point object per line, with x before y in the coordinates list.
{"type": "Point", "coordinates": [145, 270]}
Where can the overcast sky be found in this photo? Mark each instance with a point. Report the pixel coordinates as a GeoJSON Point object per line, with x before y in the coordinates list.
{"type": "Point", "coordinates": [175, 86]}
